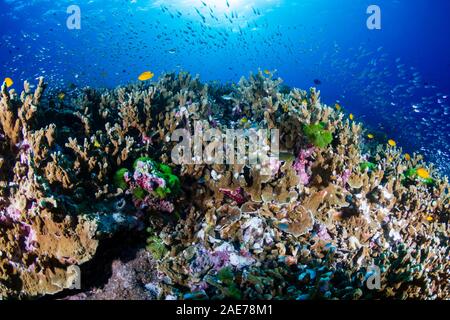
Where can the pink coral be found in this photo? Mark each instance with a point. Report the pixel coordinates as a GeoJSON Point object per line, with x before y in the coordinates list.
{"type": "Point", "coordinates": [148, 181]}
{"type": "Point", "coordinates": [345, 176]}
{"type": "Point", "coordinates": [155, 204]}
{"type": "Point", "coordinates": [301, 164]}
{"type": "Point", "coordinates": [12, 213]}
{"type": "Point", "coordinates": [275, 165]}
{"type": "Point", "coordinates": [322, 233]}
{"type": "Point", "coordinates": [30, 238]}
{"type": "Point", "coordinates": [237, 195]}
{"type": "Point", "coordinates": [146, 139]}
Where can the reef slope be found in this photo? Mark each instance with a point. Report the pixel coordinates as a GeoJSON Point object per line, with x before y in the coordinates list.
{"type": "Point", "coordinates": [334, 205]}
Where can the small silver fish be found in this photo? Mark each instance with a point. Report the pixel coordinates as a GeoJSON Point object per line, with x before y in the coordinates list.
{"type": "Point", "coordinates": [227, 97]}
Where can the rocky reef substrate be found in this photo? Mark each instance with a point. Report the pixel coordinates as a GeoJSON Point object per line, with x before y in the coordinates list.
{"type": "Point", "coordinates": [78, 171]}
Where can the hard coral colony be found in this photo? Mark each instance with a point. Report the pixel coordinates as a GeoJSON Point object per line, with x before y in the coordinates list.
{"type": "Point", "coordinates": [332, 208]}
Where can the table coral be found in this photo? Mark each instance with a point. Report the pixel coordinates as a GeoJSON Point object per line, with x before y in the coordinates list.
{"type": "Point", "coordinates": [310, 229]}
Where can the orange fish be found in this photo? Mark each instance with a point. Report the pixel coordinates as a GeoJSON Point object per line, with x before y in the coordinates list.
{"type": "Point", "coordinates": [423, 173]}
{"type": "Point", "coordinates": [147, 75]}
{"type": "Point", "coordinates": [9, 82]}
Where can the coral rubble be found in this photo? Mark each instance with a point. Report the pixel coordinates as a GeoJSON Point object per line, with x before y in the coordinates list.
{"type": "Point", "coordinates": [334, 205]}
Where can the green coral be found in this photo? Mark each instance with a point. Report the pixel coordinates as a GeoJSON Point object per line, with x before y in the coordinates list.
{"type": "Point", "coordinates": [164, 168]}
{"type": "Point", "coordinates": [142, 159]}
{"type": "Point", "coordinates": [119, 179]}
{"type": "Point", "coordinates": [165, 172]}
{"type": "Point", "coordinates": [429, 181]}
{"type": "Point", "coordinates": [226, 276]}
{"type": "Point", "coordinates": [173, 182]}
{"type": "Point", "coordinates": [367, 166]}
{"type": "Point", "coordinates": [160, 170]}
{"type": "Point", "coordinates": [317, 135]}
{"type": "Point", "coordinates": [411, 174]}
{"type": "Point", "coordinates": [139, 193]}
{"type": "Point", "coordinates": [156, 246]}
{"type": "Point", "coordinates": [225, 282]}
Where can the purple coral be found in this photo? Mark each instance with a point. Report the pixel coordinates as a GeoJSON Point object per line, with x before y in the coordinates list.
{"type": "Point", "coordinates": [275, 165]}
{"type": "Point", "coordinates": [30, 238]}
{"type": "Point", "coordinates": [220, 259]}
{"type": "Point", "coordinates": [322, 232]}
{"type": "Point", "coordinates": [12, 213]}
{"type": "Point", "coordinates": [148, 187]}
{"type": "Point", "coordinates": [301, 164]}
{"type": "Point", "coordinates": [10, 217]}
{"type": "Point", "coordinates": [145, 179]}
{"type": "Point", "coordinates": [346, 176]}
{"type": "Point", "coordinates": [202, 261]}
{"type": "Point", "coordinates": [237, 195]}
{"type": "Point", "coordinates": [154, 204]}
{"type": "Point", "coordinates": [146, 139]}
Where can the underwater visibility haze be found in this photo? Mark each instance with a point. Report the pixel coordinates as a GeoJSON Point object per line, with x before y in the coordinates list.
{"type": "Point", "coordinates": [349, 99]}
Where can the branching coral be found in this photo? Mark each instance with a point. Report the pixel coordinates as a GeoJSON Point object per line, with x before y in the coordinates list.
{"type": "Point", "coordinates": [311, 228]}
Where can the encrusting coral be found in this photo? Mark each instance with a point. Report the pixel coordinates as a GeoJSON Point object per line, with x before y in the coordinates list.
{"type": "Point", "coordinates": [333, 206]}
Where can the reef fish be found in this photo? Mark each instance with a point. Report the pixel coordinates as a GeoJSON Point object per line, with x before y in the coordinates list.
{"type": "Point", "coordinates": [423, 173]}
{"type": "Point", "coordinates": [227, 97]}
{"type": "Point", "coordinates": [8, 82]}
{"type": "Point", "coordinates": [147, 75]}
{"type": "Point", "coordinates": [392, 143]}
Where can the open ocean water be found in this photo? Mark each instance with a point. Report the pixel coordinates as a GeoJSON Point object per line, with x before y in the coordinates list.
{"type": "Point", "coordinates": [394, 76]}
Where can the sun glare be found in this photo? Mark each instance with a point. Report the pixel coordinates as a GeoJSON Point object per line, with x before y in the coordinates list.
{"type": "Point", "coordinates": [221, 6]}
{"type": "Point", "coordinates": [218, 11]}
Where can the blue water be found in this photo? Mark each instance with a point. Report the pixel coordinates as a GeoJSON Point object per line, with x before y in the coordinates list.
{"type": "Point", "coordinates": [396, 80]}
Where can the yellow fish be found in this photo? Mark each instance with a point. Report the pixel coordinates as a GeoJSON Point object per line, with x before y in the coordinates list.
{"type": "Point", "coordinates": [244, 120]}
{"type": "Point", "coordinates": [423, 173]}
{"type": "Point", "coordinates": [97, 144]}
{"type": "Point", "coordinates": [267, 72]}
{"type": "Point", "coordinates": [338, 107]}
{"type": "Point", "coordinates": [351, 116]}
{"type": "Point", "coordinates": [392, 143]}
{"type": "Point", "coordinates": [8, 82]}
{"type": "Point", "coordinates": [407, 157]}
{"type": "Point", "coordinates": [370, 136]}
{"type": "Point", "coordinates": [430, 218]}
{"type": "Point", "coordinates": [61, 96]}
{"type": "Point", "coordinates": [147, 75]}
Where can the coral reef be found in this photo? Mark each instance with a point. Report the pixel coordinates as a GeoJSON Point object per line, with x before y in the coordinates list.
{"type": "Point", "coordinates": [334, 205]}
